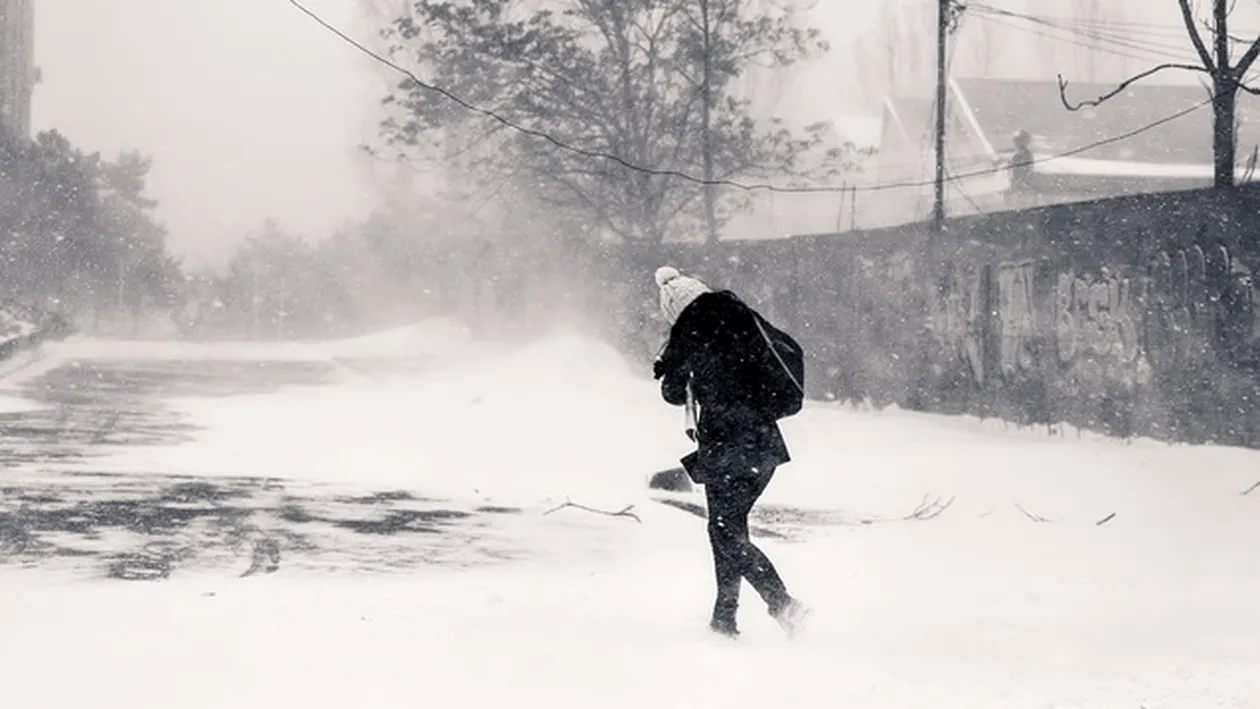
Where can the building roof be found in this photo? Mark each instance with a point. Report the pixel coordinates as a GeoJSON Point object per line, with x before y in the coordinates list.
{"type": "Point", "coordinates": [1002, 107]}
{"type": "Point", "coordinates": [988, 112]}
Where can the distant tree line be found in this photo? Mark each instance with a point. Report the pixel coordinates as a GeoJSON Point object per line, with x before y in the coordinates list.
{"type": "Point", "coordinates": [412, 259]}
{"type": "Point", "coordinates": [77, 233]}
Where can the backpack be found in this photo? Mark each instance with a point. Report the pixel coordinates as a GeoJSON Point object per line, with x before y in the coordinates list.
{"type": "Point", "coordinates": [782, 391]}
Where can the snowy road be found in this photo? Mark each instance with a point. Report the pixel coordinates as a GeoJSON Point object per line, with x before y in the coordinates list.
{"type": "Point", "coordinates": [58, 509]}
{"type": "Point", "coordinates": [1067, 572]}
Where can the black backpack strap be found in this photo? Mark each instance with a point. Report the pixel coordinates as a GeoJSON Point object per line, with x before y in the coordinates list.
{"type": "Point", "coordinates": [769, 343]}
{"type": "Point", "coordinates": [758, 321]}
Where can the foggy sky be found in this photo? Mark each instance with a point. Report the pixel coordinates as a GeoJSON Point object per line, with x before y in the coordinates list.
{"type": "Point", "coordinates": [251, 111]}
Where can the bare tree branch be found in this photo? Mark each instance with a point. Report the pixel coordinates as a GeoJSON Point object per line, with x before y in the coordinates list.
{"type": "Point", "coordinates": [1031, 516]}
{"type": "Point", "coordinates": [929, 509]}
{"type": "Point", "coordinates": [1251, 489]}
{"type": "Point", "coordinates": [926, 510]}
{"type": "Point", "coordinates": [623, 512]}
{"type": "Point", "coordinates": [1106, 519]}
{"type": "Point", "coordinates": [1187, 16]}
{"type": "Point", "coordinates": [1122, 86]}
{"type": "Point", "coordinates": [1238, 39]}
{"type": "Point", "coordinates": [1247, 59]}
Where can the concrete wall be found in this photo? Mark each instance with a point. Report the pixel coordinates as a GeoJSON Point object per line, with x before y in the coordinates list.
{"type": "Point", "coordinates": [1131, 316]}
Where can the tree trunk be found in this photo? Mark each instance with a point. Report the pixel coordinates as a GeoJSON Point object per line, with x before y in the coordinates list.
{"type": "Point", "coordinates": [1224, 99]}
{"type": "Point", "coordinates": [1223, 146]}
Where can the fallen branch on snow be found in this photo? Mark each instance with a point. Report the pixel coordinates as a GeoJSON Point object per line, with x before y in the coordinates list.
{"type": "Point", "coordinates": [1029, 515]}
{"type": "Point", "coordinates": [624, 512]}
{"type": "Point", "coordinates": [1251, 489]}
{"type": "Point", "coordinates": [929, 510]}
{"type": "Point", "coordinates": [1106, 519]}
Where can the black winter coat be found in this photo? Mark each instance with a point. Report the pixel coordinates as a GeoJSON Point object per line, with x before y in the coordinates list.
{"type": "Point", "coordinates": [715, 344]}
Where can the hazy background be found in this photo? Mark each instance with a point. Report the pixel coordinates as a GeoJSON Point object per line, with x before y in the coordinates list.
{"type": "Point", "coordinates": [248, 108]}
{"type": "Point", "coordinates": [252, 111]}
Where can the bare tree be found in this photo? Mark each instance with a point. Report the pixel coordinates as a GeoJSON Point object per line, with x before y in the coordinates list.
{"type": "Point", "coordinates": [609, 102]}
{"type": "Point", "coordinates": [1227, 77]}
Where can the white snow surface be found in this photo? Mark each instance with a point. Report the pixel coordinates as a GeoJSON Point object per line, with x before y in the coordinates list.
{"type": "Point", "coordinates": [979, 607]}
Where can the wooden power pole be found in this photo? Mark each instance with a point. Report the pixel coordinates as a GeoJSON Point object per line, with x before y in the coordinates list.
{"type": "Point", "coordinates": [943, 19]}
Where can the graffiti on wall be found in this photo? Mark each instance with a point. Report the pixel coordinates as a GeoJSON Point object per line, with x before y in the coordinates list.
{"type": "Point", "coordinates": [1108, 327]}
{"type": "Point", "coordinates": [1017, 322]}
{"type": "Point", "coordinates": [1186, 286]}
{"type": "Point", "coordinates": [956, 319]}
{"type": "Point", "coordinates": [1096, 328]}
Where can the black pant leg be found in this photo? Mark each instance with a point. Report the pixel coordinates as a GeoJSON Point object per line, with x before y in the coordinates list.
{"type": "Point", "coordinates": [735, 557]}
{"type": "Point", "coordinates": [726, 527]}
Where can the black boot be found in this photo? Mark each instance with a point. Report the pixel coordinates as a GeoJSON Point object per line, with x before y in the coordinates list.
{"type": "Point", "coordinates": [725, 627]}
{"type": "Point", "coordinates": [791, 616]}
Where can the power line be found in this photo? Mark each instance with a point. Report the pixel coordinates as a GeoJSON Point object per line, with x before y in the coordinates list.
{"type": "Point", "coordinates": [1132, 35]}
{"type": "Point", "coordinates": [1155, 45]}
{"type": "Point", "coordinates": [1160, 49]}
{"type": "Point", "coordinates": [1059, 38]}
{"type": "Point", "coordinates": [747, 187]}
{"type": "Point", "coordinates": [1098, 38]}
{"type": "Point", "coordinates": [1155, 31]}
{"type": "Point", "coordinates": [1150, 29]}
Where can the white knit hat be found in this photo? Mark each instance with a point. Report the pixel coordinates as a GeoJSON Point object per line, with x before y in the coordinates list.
{"type": "Point", "coordinates": [677, 291]}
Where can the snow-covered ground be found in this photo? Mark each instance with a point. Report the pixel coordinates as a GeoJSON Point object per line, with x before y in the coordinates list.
{"type": "Point", "coordinates": [1013, 596]}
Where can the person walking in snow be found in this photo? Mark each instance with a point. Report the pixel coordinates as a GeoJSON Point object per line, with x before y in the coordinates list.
{"type": "Point", "coordinates": [707, 365]}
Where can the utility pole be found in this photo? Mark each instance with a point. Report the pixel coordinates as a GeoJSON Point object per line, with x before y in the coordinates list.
{"type": "Point", "coordinates": [943, 18]}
